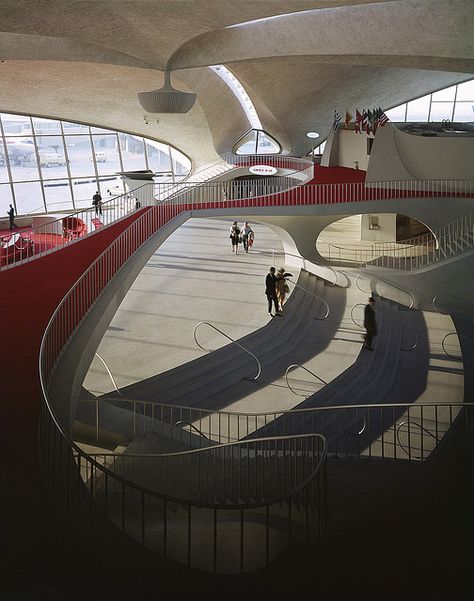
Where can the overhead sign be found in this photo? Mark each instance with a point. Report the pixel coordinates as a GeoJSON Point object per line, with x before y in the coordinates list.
{"type": "Point", "coordinates": [263, 170]}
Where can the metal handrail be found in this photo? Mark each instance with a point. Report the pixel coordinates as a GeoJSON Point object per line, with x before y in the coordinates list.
{"type": "Point", "coordinates": [208, 504]}
{"type": "Point", "coordinates": [458, 336]}
{"type": "Point", "coordinates": [352, 314]}
{"type": "Point", "coordinates": [229, 338]}
{"type": "Point", "coordinates": [414, 345]}
{"type": "Point", "coordinates": [250, 414]}
{"type": "Point", "coordinates": [377, 277]}
{"type": "Point", "coordinates": [439, 308]}
{"type": "Point", "coordinates": [109, 374]}
{"type": "Point", "coordinates": [312, 294]}
{"type": "Point", "coordinates": [402, 446]}
{"type": "Point", "coordinates": [184, 422]}
{"type": "Point", "coordinates": [306, 369]}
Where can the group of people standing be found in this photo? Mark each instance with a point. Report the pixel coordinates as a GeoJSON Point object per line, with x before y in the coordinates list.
{"type": "Point", "coordinates": [276, 289]}
{"type": "Point", "coordinates": [237, 236]}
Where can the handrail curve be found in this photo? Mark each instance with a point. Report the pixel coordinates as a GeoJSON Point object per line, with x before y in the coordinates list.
{"type": "Point", "coordinates": [295, 365]}
{"type": "Point", "coordinates": [185, 422]}
{"type": "Point", "coordinates": [112, 379]}
{"type": "Point", "coordinates": [321, 458]}
{"type": "Point", "coordinates": [422, 428]}
{"type": "Point", "coordinates": [440, 308]}
{"type": "Point", "coordinates": [458, 335]}
{"type": "Point", "coordinates": [352, 315]}
{"type": "Point", "coordinates": [315, 296]}
{"type": "Point", "coordinates": [201, 323]}
{"type": "Point", "coordinates": [377, 277]}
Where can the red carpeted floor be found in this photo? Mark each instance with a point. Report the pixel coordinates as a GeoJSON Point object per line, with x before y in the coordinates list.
{"type": "Point", "coordinates": [28, 296]}
{"type": "Point", "coordinates": [337, 175]}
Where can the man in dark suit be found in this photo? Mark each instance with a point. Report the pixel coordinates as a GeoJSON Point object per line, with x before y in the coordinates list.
{"type": "Point", "coordinates": [270, 291]}
{"type": "Point", "coordinates": [369, 323]}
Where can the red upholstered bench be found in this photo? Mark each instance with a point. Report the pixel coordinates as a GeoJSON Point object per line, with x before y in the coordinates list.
{"type": "Point", "coordinates": [73, 228]}
{"type": "Point", "coordinates": [97, 223]}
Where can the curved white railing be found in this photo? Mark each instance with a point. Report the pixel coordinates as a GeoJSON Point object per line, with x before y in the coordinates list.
{"type": "Point", "coordinates": [295, 366]}
{"type": "Point", "coordinates": [447, 241]}
{"type": "Point", "coordinates": [206, 323]}
{"type": "Point", "coordinates": [411, 302]}
{"type": "Point", "coordinates": [325, 304]}
{"type": "Point", "coordinates": [450, 307]}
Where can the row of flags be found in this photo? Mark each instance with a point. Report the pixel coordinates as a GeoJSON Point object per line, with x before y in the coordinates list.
{"type": "Point", "coordinates": [365, 121]}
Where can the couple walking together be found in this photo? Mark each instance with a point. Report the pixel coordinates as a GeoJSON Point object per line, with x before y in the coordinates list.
{"type": "Point", "coordinates": [244, 235]}
{"type": "Point", "coordinates": [276, 288]}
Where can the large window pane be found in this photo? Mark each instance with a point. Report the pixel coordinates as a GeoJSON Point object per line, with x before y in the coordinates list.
{"type": "Point", "coordinates": [266, 144]}
{"type": "Point", "coordinates": [84, 190]}
{"type": "Point", "coordinates": [158, 156]}
{"type": "Point", "coordinates": [464, 111]}
{"type": "Point", "coordinates": [3, 163]}
{"type": "Point", "coordinates": [133, 152]}
{"type": "Point", "coordinates": [46, 127]}
{"type": "Point", "coordinates": [52, 157]}
{"type": "Point", "coordinates": [181, 164]}
{"type": "Point", "coordinates": [248, 143]}
{"type": "Point", "coordinates": [441, 110]}
{"type": "Point", "coordinates": [81, 161]}
{"type": "Point", "coordinates": [16, 125]}
{"type": "Point", "coordinates": [447, 94]}
{"type": "Point", "coordinates": [5, 199]}
{"type": "Point", "coordinates": [58, 195]}
{"type": "Point", "coordinates": [74, 128]}
{"type": "Point", "coordinates": [22, 155]}
{"type": "Point", "coordinates": [106, 153]}
{"type": "Point", "coordinates": [111, 186]}
{"type": "Point", "coordinates": [417, 110]}
{"type": "Point", "coordinates": [397, 114]}
{"type": "Point", "coordinates": [29, 198]}
{"type": "Point", "coordinates": [466, 90]}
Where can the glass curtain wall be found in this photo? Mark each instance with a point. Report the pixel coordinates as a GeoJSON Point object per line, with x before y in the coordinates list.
{"type": "Point", "coordinates": [455, 103]}
{"type": "Point", "coordinates": [49, 165]}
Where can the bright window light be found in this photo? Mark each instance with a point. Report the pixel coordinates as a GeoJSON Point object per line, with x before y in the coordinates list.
{"type": "Point", "coordinates": [240, 94]}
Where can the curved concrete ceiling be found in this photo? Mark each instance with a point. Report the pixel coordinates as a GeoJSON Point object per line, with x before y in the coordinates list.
{"type": "Point", "coordinates": [86, 61]}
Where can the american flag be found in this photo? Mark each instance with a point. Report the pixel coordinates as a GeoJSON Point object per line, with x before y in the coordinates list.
{"type": "Point", "coordinates": [383, 119]}
{"type": "Point", "coordinates": [337, 120]}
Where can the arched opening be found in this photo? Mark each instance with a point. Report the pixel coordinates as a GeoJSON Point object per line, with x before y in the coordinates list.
{"type": "Point", "coordinates": [363, 238]}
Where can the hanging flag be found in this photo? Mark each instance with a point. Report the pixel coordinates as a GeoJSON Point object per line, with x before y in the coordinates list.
{"type": "Point", "coordinates": [365, 120]}
{"type": "Point", "coordinates": [337, 120]}
{"type": "Point", "coordinates": [358, 122]}
{"type": "Point", "coordinates": [370, 119]}
{"type": "Point", "coordinates": [347, 119]}
{"type": "Point", "coordinates": [383, 119]}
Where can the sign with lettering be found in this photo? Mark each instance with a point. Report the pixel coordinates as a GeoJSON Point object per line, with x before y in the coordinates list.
{"type": "Point", "coordinates": [263, 170]}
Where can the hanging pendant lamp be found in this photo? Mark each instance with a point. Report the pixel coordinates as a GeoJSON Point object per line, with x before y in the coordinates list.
{"type": "Point", "coordinates": [167, 99]}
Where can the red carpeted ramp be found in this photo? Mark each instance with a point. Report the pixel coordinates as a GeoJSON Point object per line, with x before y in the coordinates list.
{"type": "Point", "coordinates": [29, 294]}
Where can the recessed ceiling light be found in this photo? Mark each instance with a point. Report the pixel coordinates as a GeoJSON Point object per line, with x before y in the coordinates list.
{"type": "Point", "coordinates": [312, 134]}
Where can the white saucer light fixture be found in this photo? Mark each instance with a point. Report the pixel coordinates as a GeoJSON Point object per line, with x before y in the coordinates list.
{"type": "Point", "coordinates": [167, 99]}
{"type": "Point", "coordinates": [312, 134]}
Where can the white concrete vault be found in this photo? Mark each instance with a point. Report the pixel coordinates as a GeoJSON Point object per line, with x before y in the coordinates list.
{"type": "Point", "coordinates": [87, 61]}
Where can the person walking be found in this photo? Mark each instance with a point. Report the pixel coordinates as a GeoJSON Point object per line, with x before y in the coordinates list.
{"type": "Point", "coordinates": [97, 203]}
{"type": "Point", "coordinates": [282, 287]}
{"type": "Point", "coordinates": [234, 236]}
{"type": "Point", "coordinates": [11, 217]}
{"type": "Point", "coordinates": [247, 236]}
{"type": "Point", "coordinates": [370, 324]}
{"type": "Point", "coordinates": [270, 291]}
